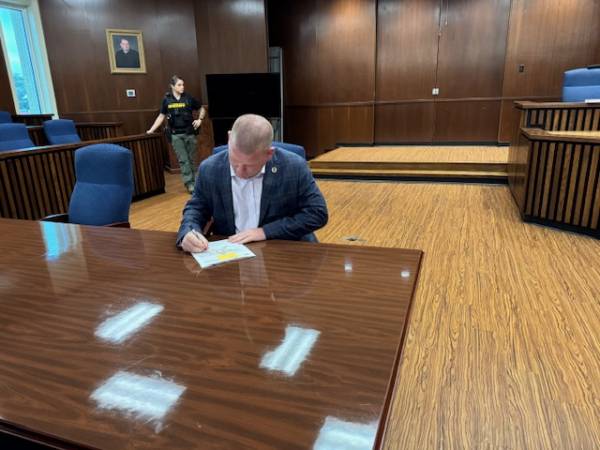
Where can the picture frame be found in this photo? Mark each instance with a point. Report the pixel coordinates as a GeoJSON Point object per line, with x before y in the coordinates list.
{"type": "Point", "coordinates": [125, 51]}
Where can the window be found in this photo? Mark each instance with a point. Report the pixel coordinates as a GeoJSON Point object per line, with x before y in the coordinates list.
{"type": "Point", "coordinates": [25, 57]}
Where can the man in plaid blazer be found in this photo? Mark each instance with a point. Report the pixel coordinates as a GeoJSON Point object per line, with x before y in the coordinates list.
{"type": "Point", "coordinates": [253, 192]}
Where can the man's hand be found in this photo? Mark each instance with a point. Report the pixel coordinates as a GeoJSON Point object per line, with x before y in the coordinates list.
{"type": "Point", "coordinates": [194, 242]}
{"type": "Point", "coordinates": [196, 123]}
{"type": "Point", "coordinates": [252, 235]}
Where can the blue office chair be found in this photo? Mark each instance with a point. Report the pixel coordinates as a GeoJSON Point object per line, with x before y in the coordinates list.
{"type": "Point", "coordinates": [581, 84]}
{"type": "Point", "coordinates": [14, 136]}
{"type": "Point", "coordinates": [103, 187]}
{"type": "Point", "coordinates": [297, 149]}
{"type": "Point", "coordinates": [61, 131]}
{"type": "Point", "coordinates": [5, 117]}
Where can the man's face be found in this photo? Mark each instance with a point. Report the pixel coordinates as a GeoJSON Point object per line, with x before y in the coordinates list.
{"type": "Point", "coordinates": [124, 45]}
{"type": "Point", "coordinates": [247, 166]}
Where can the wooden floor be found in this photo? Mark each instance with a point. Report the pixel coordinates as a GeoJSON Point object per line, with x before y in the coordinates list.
{"type": "Point", "coordinates": [503, 348]}
{"type": "Point", "coordinates": [410, 162]}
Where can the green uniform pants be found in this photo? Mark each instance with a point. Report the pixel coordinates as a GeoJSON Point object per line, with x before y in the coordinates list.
{"type": "Point", "coordinates": [185, 149]}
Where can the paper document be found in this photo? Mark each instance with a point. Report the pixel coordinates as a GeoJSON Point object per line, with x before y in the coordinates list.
{"type": "Point", "coordinates": [220, 252]}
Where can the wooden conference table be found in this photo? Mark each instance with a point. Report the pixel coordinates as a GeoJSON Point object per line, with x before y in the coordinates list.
{"type": "Point", "coordinates": [112, 339]}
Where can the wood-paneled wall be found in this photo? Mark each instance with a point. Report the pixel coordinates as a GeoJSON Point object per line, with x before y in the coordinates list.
{"type": "Point", "coordinates": [189, 38]}
{"type": "Point", "coordinates": [185, 37]}
{"type": "Point", "coordinates": [85, 89]}
{"type": "Point", "coordinates": [329, 58]}
{"type": "Point", "coordinates": [231, 37]}
{"type": "Point", "coordinates": [406, 73]}
{"type": "Point", "coordinates": [547, 37]}
{"type": "Point", "coordinates": [470, 50]}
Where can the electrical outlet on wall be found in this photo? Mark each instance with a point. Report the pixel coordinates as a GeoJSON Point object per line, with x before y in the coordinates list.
{"type": "Point", "coordinates": [435, 91]}
{"type": "Point", "coordinates": [130, 92]}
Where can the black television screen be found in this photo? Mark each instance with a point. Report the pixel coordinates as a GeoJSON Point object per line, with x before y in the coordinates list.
{"type": "Point", "coordinates": [231, 95]}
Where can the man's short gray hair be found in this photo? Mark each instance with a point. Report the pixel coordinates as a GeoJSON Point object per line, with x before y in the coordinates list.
{"type": "Point", "coordinates": [251, 133]}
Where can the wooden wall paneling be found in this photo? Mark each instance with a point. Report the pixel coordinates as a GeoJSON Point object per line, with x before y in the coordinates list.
{"type": "Point", "coordinates": [301, 127]}
{"type": "Point", "coordinates": [346, 36]}
{"type": "Point", "coordinates": [76, 43]}
{"type": "Point", "coordinates": [7, 102]}
{"type": "Point", "coordinates": [298, 22]}
{"type": "Point", "coordinates": [404, 122]}
{"type": "Point", "coordinates": [231, 37]}
{"type": "Point", "coordinates": [329, 70]}
{"type": "Point", "coordinates": [466, 121]}
{"type": "Point", "coordinates": [344, 125]}
{"type": "Point", "coordinates": [354, 124]}
{"type": "Point", "coordinates": [547, 38]}
{"type": "Point", "coordinates": [472, 50]}
{"type": "Point", "coordinates": [407, 46]}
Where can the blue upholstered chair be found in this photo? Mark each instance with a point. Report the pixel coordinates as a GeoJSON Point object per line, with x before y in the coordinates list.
{"type": "Point", "coordinates": [61, 131]}
{"type": "Point", "coordinates": [5, 117]}
{"type": "Point", "coordinates": [103, 187]}
{"type": "Point", "coordinates": [581, 84]}
{"type": "Point", "coordinates": [14, 136]}
{"type": "Point", "coordinates": [297, 149]}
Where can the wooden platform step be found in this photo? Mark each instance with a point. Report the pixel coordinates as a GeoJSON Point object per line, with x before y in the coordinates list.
{"type": "Point", "coordinates": [387, 174]}
{"type": "Point", "coordinates": [436, 171]}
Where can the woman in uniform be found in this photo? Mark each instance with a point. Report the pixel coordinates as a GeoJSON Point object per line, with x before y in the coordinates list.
{"type": "Point", "coordinates": [177, 107]}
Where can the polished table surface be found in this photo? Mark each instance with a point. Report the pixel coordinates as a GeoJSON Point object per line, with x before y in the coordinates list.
{"type": "Point", "coordinates": [112, 338]}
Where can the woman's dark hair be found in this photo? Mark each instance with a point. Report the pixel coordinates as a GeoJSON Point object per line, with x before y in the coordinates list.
{"type": "Point", "coordinates": [174, 79]}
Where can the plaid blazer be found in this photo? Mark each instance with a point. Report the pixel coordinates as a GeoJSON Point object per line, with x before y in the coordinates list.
{"type": "Point", "coordinates": [291, 205]}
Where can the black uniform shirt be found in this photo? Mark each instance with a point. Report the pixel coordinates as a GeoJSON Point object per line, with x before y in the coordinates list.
{"type": "Point", "coordinates": [179, 112]}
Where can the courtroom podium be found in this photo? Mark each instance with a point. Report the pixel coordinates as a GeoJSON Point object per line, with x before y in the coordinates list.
{"type": "Point", "coordinates": [553, 165]}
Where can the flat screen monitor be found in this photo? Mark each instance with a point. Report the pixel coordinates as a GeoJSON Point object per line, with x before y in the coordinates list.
{"type": "Point", "coordinates": [231, 95]}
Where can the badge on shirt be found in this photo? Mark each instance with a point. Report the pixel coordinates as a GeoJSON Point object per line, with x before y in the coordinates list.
{"type": "Point", "coordinates": [274, 169]}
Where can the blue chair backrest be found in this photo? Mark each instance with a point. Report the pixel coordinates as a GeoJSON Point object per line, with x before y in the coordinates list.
{"type": "Point", "coordinates": [5, 117]}
{"type": "Point", "coordinates": [61, 131]}
{"type": "Point", "coordinates": [104, 185]}
{"type": "Point", "coordinates": [14, 136]}
{"type": "Point", "coordinates": [297, 149]}
{"type": "Point", "coordinates": [581, 84]}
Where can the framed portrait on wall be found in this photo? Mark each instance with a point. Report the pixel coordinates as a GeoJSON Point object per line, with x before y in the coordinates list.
{"type": "Point", "coordinates": [125, 51]}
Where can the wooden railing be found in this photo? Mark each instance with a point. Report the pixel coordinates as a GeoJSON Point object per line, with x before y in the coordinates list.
{"type": "Point", "coordinates": [559, 116]}
{"type": "Point", "coordinates": [549, 116]}
{"type": "Point", "coordinates": [87, 131]}
{"type": "Point", "coordinates": [31, 119]}
{"type": "Point", "coordinates": [558, 179]}
{"type": "Point", "coordinates": [90, 131]}
{"type": "Point", "coordinates": [38, 181]}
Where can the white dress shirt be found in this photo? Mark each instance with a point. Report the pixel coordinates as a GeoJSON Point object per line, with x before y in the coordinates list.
{"type": "Point", "coordinates": [246, 194]}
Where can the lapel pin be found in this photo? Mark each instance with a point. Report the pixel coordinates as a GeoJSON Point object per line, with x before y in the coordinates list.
{"type": "Point", "coordinates": [274, 169]}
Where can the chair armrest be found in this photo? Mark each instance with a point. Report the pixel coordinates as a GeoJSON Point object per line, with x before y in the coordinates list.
{"type": "Point", "coordinates": [63, 218]}
{"type": "Point", "coordinates": [119, 225]}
